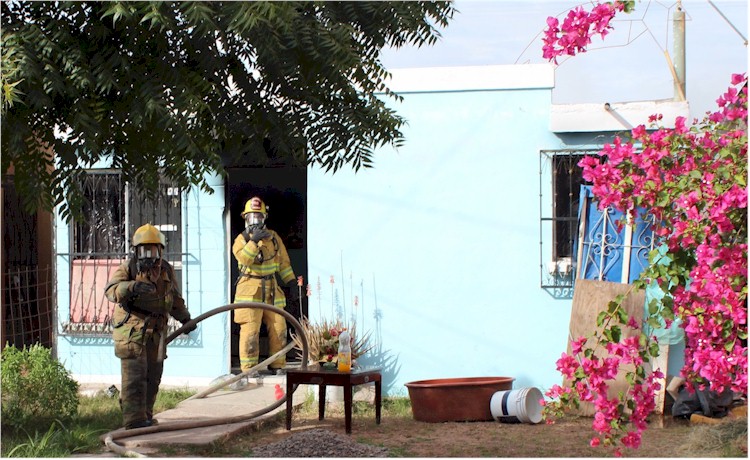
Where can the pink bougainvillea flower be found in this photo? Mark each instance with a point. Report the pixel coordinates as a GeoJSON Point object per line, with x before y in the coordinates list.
{"type": "Point", "coordinates": [577, 345]}
{"type": "Point", "coordinates": [692, 182]}
{"type": "Point", "coordinates": [567, 365]}
{"type": "Point", "coordinates": [574, 35]}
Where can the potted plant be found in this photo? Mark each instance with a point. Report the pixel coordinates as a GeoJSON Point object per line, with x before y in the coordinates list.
{"type": "Point", "coordinates": [323, 342]}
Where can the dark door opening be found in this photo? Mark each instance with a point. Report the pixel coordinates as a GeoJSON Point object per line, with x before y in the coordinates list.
{"type": "Point", "coordinates": [284, 190]}
{"type": "Point", "coordinates": [26, 303]}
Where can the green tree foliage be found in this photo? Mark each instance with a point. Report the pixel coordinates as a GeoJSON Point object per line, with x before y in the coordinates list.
{"type": "Point", "coordinates": [187, 88]}
{"type": "Point", "coordinates": [36, 388]}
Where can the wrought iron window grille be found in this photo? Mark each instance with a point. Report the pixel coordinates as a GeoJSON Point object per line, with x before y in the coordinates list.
{"type": "Point", "coordinates": [560, 179]}
{"type": "Point", "coordinates": [592, 247]}
{"type": "Point", "coordinates": [114, 210]}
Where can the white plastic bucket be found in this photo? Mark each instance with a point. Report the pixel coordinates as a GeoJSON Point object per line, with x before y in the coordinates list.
{"type": "Point", "coordinates": [517, 406]}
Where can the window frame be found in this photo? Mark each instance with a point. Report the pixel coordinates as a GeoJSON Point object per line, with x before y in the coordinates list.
{"type": "Point", "coordinates": [557, 270]}
{"type": "Point", "coordinates": [91, 264]}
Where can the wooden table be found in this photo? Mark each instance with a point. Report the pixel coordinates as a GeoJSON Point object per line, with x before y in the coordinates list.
{"type": "Point", "coordinates": [322, 378]}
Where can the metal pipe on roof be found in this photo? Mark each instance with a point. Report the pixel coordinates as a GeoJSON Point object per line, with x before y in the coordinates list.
{"type": "Point", "coordinates": [679, 53]}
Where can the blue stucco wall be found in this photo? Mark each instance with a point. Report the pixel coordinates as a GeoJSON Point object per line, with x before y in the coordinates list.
{"type": "Point", "coordinates": [205, 279]}
{"type": "Point", "coordinates": [440, 241]}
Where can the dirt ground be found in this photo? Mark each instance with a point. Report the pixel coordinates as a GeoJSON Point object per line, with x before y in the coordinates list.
{"type": "Point", "coordinates": [405, 437]}
{"type": "Point", "coordinates": [409, 438]}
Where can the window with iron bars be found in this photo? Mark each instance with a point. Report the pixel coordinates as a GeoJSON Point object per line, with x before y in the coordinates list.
{"type": "Point", "coordinates": [560, 180]}
{"type": "Point", "coordinates": [114, 209]}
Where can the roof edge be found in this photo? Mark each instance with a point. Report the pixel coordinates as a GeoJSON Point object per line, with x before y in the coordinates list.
{"type": "Point", "coordinates": [472, 78]}
{"type": "Point", "coordinates": [616, 116]}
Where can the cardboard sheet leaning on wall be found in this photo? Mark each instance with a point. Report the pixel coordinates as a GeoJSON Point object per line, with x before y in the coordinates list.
{"type": "Point", "coordinates": [589, 299]}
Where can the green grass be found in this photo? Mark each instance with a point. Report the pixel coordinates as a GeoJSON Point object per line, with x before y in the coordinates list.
{"type": "Point", "coordinates": [96, 416]}
{"type": "Point", "coordinates": [397, 407]}
{"type": "Point", "coordinates": [55, 442]}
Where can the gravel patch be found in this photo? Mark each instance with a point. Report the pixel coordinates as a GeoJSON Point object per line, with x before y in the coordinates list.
{"type": "Point", "coordinates": [318, 443]}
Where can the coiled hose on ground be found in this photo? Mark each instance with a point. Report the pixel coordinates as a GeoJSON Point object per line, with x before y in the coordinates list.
{"type": "Point", "coordinates": [109, 438]}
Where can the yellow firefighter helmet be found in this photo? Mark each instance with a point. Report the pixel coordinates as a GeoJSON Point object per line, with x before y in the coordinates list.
{"type": "Point", "coordinates": [148, 234]}
{"type": "Point", "coordinates": [254, 204]}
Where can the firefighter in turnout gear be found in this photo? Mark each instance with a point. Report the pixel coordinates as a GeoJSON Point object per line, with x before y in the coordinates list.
{"type": "Point", "coordinates": [260, 255]}
{"type": "Point", "coordinates": [146, 292]}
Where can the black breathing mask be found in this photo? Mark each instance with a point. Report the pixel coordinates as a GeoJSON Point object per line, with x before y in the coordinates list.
{"type": "Point", "coordinates": [255, 220]}
{"type": "Point", "coordinates": [148, 257]}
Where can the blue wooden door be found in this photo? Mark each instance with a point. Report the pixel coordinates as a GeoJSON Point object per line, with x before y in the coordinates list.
{"type": "Point", "coordinates": [602, 251]}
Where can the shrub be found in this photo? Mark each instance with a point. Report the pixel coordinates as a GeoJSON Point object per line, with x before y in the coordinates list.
{"type": "Point", "coordinates": [323, 340]}
{"type": "Point", "coordinates": [35, 387]}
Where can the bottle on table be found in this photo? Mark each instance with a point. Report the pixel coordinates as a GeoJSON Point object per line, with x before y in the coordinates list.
{"type": "Point", "coordinates": [345, 352]}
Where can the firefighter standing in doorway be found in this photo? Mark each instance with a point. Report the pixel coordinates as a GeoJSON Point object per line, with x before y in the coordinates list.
{"type": "Point", "coordinates": [145, 290]}
{"type": "Point", "coordinates": [260, 255]}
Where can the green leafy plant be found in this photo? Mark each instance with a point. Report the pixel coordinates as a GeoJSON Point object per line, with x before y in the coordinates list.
{"type": "Point", "coordinates": [39, 445]}
{"type": "Point", "coordinates": [96, 415]}
{"type": "Point", "coordinates": [36, 387]}
{"type": "Point", "coordinates": [57, 441]}
{"type": "Point", "coordinates": [8, 75]}
{"type": "Point", "coordinates": [182, 88]}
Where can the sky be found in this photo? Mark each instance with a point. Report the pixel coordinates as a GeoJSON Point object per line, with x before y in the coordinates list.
{"type": "Point", "coordinates": [629, 65]}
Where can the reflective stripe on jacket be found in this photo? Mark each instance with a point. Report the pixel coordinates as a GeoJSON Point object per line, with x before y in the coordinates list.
{"type": "Point", "coordinates": [275, 260]}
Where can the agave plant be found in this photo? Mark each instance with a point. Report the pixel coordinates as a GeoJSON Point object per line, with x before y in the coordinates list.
{"type": "Point", "coordinates": [323, 340]}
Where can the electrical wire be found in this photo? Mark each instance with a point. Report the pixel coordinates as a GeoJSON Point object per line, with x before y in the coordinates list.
{"type": "Point", "coordinates": [728, 21]}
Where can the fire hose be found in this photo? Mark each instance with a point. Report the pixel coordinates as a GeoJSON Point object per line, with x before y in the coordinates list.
{"type": "Point", "coordinates": [109, 438]}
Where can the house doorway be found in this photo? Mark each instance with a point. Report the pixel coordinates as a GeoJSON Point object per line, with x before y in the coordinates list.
{"type": "Point", "coordinates": [284, 190]}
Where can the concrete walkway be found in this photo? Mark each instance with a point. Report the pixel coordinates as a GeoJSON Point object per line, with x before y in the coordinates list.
{"type": "Point", "coordinates": [259, 394]}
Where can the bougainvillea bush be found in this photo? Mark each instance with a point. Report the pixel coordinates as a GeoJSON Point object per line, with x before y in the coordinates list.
{"type": "Point", "coordinates": [692, 181]}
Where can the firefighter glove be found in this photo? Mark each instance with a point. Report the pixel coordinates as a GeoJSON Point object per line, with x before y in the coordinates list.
{"type": "Point", "coordinates": [293, 292]}
{"type": "Point", "coordinates": [140, 287]}
{"type": "Point", "coordinates": [191, 328]}
{"type": "Point", "coordinates": [259, 233]}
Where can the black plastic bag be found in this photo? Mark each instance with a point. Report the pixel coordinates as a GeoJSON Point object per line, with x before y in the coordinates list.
{"type": "Point", "coordinates": [705, 402]}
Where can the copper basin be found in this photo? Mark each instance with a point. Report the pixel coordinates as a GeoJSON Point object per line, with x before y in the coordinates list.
{"type": "Point", "coordinates": [455, 400]}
